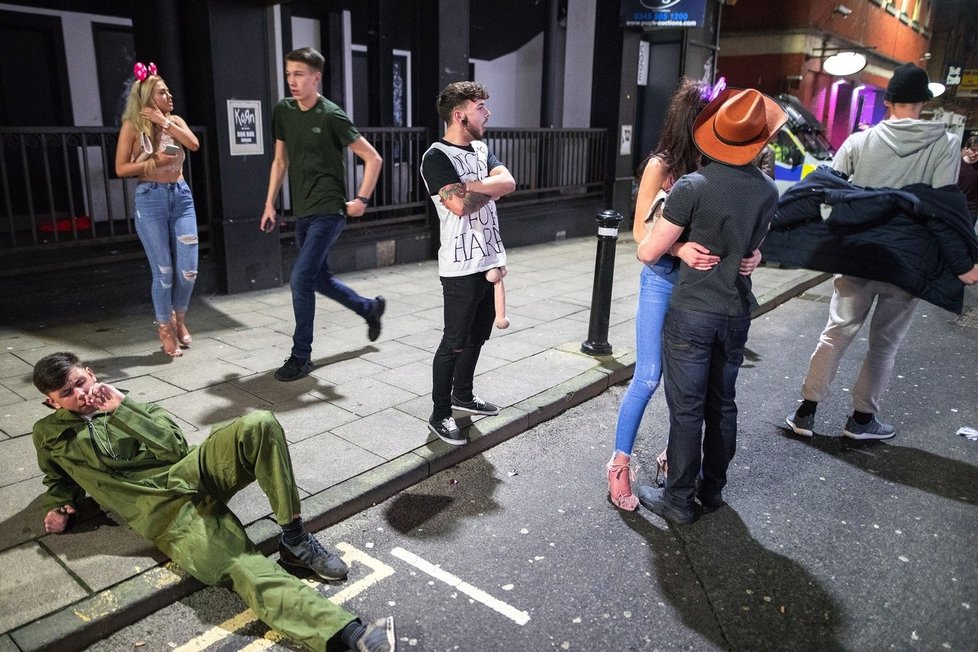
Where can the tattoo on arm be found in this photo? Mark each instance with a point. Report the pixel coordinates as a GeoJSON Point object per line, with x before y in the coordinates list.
{"type": "Point", "coordinates": [473, 201]}
{"type": "Point", "coordinates": [452, 190]}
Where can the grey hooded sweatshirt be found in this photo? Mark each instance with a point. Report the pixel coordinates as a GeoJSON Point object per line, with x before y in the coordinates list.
{"type": "Point", "coordinates": [897, 153]}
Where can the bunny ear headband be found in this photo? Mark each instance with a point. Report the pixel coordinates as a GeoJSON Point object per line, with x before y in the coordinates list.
{"type": "Point", "coordinates": [142, 70]}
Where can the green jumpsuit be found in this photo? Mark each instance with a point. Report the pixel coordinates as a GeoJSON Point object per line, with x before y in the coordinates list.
{"type": "Point", "coordinates": [136, 463]}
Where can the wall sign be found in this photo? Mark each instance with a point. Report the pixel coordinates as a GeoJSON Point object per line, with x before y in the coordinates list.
{"type": "Point", "coordinates": [663, 13]}
{"type": "Point", "coordinates": [244, 127]}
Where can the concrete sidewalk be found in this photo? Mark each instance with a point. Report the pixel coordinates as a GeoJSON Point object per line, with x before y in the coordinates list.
{"type": "Point", "coordinates": [356, 426]}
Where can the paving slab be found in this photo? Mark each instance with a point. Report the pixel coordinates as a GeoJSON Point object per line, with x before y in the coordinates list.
{"type": "Point", "coordinates": [41, 584]}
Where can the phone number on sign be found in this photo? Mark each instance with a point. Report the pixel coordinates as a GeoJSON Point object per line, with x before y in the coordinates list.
{"type": "Point", "coordinates": [659, 16]}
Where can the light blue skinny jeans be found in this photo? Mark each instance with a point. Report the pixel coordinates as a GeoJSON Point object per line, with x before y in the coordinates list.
{"type": "Point", "coordinates": [653, 299]}
{"type": "Point", "coordinates": [167, 226]}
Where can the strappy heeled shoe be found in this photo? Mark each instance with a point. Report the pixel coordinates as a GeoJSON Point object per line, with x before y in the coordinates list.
{"type": "Point", "coordinates": [621, 499]}
{"type": "Point", "coordinates": [168, 339]}
{"type": "Point", "coordinates": [183, 335]}
{"type": "Point", "coordinates": [661, 469]}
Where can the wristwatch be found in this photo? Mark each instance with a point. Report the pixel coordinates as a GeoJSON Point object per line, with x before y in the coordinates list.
{"type": "Point", "coordinates": [364, 200]}
{"type": "Point", "coordinates": [167, 123]}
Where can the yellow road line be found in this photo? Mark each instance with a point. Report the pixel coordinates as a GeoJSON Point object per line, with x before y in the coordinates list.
{"type": "Point", "coordinates": [378, 571]}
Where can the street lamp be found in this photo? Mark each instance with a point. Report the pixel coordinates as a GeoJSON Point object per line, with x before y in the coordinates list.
{"type": "Point", "coordinates": [842, 64]}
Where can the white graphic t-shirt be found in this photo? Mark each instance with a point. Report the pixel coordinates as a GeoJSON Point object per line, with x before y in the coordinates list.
{"type": "Point", "coordinates": [469, 244]}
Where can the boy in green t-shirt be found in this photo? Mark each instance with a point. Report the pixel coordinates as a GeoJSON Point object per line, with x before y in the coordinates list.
{"type": "Point", "coordinates": [311, 134]}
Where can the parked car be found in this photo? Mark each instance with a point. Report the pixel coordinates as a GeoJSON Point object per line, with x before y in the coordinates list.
{"type": "Point", "coordinates": [800, 146]}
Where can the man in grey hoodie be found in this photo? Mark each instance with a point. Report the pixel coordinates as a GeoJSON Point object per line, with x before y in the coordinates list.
{"type": "Point", "coordinates": [897, 152]}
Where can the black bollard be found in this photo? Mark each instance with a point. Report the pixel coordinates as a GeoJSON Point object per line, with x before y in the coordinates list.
{"type": "Point", "coordinates": [604, 276]}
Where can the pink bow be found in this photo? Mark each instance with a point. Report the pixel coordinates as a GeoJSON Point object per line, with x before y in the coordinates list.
{"type": "Point", "coordinates": [142, 71]}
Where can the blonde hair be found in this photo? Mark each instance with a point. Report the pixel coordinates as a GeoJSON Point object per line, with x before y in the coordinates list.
{"type": "Point", "coordinates": [141, 97]}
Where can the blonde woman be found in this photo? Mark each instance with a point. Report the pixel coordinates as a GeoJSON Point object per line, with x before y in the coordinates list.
{"type": "Point", "coordinates": [151, 148]}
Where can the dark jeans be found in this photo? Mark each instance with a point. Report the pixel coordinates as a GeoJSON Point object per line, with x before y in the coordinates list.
{"type": "Point", "coordinates": [702, 354]}
{"type": "Point", "coordinates": [315, 235]}
{"type": "Point", "coordinates": [469, 314]}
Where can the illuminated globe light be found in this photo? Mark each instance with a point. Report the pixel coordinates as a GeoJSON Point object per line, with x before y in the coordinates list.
{"type": "Point", "coordinates": [936, 88]}
{"type": "Point", "coordinates": [844, 63]}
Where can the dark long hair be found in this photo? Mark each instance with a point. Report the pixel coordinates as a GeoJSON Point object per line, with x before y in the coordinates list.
{"type": "Point", "coordinates": [676, 148]}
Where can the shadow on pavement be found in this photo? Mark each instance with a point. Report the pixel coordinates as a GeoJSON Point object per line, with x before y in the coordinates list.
{"type": "Point", "coordinates": [913, 467]}
{"type": "Point", "coordinates": [468, 489]}
{"type": "Point", "coordinates": [735, 592]}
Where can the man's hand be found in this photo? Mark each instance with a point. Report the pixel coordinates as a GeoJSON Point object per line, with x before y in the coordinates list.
{"type": "Point", "coordinates": [970, 277]}
{"type": "Point", "coordinates": [105, 397]}
{"type": "Point", "coordinates": [697, 256]}
{"type": "Point", "coordinates": [57, 519]}
{"type": "Point", "coordinates": [355, 208]}
{"type": "Point", "coordinates": [268, 220]}
{"type": "Point", "coordinates": [749, 264]}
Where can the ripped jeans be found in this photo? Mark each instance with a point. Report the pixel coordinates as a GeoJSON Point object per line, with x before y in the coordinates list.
{"type": "Point", "coordinates": [653, 300]}
{"type": "Point", "coordinates": [167, 226]}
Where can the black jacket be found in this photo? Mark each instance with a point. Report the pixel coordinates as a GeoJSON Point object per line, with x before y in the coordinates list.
{"type": "Point", "coordinates": [918, 237]}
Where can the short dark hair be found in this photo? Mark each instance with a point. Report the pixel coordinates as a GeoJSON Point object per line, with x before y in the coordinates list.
{"type": "Point", "coordinates": [309, 56]}
{"type": "Point", "coordinates": [972, 142]}
{"type": "Point", "coordinates": [51, 371]}
{"type": "Point", "coordinates": [457, 94]}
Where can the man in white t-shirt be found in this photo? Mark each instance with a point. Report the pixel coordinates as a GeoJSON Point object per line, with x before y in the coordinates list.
{"type": "Point", "coordinates": [464, 179]}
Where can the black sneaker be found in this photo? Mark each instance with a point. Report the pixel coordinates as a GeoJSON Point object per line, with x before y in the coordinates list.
{"type": "Point", "coordinates": [653, 500]}
{"type": "Point", "coordinates": [379, 637]}
{"type": "Point", "coordinates": [311, 554]}
{"type": "Point", "coordinates": [373, 319]}
{"type": "Point", "coordinates": [447, 431]}
{"type": "Point", "coordinates": [293, 369]}
{"type": "Point", "coordinates": [712, 502]}
{"type": "Point", "coordinates": [475, 406]}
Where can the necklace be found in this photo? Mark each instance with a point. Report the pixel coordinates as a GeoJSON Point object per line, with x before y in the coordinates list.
{"type": "Point", "coordinates": [103, 440]}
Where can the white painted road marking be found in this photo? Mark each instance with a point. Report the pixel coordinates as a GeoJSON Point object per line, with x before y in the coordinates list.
{"type": "Point", "coordinates": [379, 571]}
{"type": "Point", "coordinates": [514, 614]}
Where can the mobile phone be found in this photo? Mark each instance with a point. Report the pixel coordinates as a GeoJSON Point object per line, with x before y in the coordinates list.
{"type": "Point", "coordinates": [172, 149]}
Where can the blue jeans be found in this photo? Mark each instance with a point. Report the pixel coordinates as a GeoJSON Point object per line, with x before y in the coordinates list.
{"type": "Point", "coordinates": [315, 235]}
{"type": "Point", "coordinates": [653, 300]}
{"type": "Point", "coordinates": [167, 226]}
{"type": "Point", "coordinates": [702, 354]}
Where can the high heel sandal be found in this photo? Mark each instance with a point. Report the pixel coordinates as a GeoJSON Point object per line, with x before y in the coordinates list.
{"type": "Point", "coordinates": [622, 500]}
{"type": "Point", "coordinates": [182, 334]}
{"type": "Point", "coordinates": [661, 469]}
{"type": "Point", "coordinates": [168, 339]}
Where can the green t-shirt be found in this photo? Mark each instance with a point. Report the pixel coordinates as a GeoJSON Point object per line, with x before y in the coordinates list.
{"type": "Point", "coordinates": [315, 140]}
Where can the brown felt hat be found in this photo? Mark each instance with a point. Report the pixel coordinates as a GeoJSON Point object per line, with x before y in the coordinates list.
{"type": "Point", "coordinates": [734, 127]}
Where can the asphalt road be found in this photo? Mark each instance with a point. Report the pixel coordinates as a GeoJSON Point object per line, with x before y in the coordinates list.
{"type": "Point", "coordinates": [826, 544]}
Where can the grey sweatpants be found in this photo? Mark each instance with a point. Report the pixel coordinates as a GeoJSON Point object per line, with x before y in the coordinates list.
{"type": "Point", "coordinates": [851, 302]}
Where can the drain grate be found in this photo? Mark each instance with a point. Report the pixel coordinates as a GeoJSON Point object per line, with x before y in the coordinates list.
{"type": "Point", "coordinates": [968, 319]}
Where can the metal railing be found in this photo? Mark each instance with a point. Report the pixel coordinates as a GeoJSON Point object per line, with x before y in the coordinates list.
{"type": "Point", "coordinates": [550, 163]}
{"type": "Point", "coordinates": [60, 192]}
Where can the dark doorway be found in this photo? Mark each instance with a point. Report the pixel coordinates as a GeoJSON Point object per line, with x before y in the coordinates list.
{"type": "Point", "coordinates": [653, 100]}
{"type": "Point", "coordinates": [41, 169]}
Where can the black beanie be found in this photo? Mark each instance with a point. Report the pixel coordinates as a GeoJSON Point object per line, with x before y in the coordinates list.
{"type": "Point", "coordinates": [908, 85]}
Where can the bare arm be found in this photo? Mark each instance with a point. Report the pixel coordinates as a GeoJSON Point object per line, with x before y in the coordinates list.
{"type": "Point", "coordinates": [652, 179]}
{"type": "Point", "coordinates": [662, 236]}
{"type": "Point", "coordinates": [124, 166]}
{"type": "Point", "coordinates": [372, 163]}
{"type": "Point", "coordinates": [280, 163]}
{"type": "Point", "coordinates": [465, 198]}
